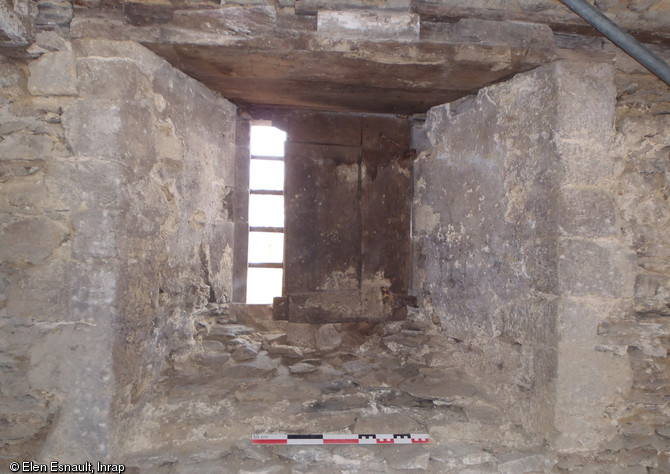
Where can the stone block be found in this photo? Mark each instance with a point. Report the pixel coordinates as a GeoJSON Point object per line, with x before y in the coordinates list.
{"type": "Point", "coordinates": [381, 25]}
{"type": "Point", "coordinates": [51, 41]}
{"type": "Point", "coordinates": [652, 294]}
{"type": "Point", "coordinates": [301, 335]}
{"type": "Point", "coordinates": [93, 286]}
{"type": "Point", "coordinates": [587, 213]}
{"type": "Point", "coordinates": [262, 365]}
{"type": "Point", "coordinates": [54, 14]}
{"type": "Point", "coordinates": [97, 184]}
{"type": "Point", "coordinates": [53, 74]}
{"type": "Point", "coordinates": [311, 7]}
{"type": "Point", "coordinates": [229, 21]}
{"type": "Point", "coordinates": [587, 268]}
{"type": "Point", "coordinates": [95, 234]}
{"type": "Point", "coordinates": [35, 295]}
{"type": "Point", "coordinates": [15, 23]}
{"type": "Point", "coordinates": [586, 101]}
{"type": "Point", "coordinates": [75, 360]}
{"type": "Point", "coordinates": [93, 128]}
{"type": "Point", "coordinates": [128, 50]}
{"type": "Point", "coordinates": [100, 128]}
{"type": "Point", "coordinates": [244, 349]}
{"type": "Point", "coordinates": [526, 464]}
{"type": "Point", "coordinates": [30, 240]}
{"type": "Point", "coordinates": [507, 33]}
{"type": "Point", "coordinates": [584, 131]}
{"type": "Point", "coordinates": [302, 368]}
{"type": "Point", "coordinates": [111, 78]}
{"type": "Point", "coordinates": [588, 381]}
{"type": "Point", "coordinates": [327, 338]}
{"type": "Point", "coordinates": [408, 457]}
{"type": "Point", "coordinates": [24, 145]}
{"type": "Point", "coordinates": [25, 195]}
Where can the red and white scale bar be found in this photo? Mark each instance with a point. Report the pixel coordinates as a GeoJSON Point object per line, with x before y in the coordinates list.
{"type": "Point", "coordinates": [298, 439]}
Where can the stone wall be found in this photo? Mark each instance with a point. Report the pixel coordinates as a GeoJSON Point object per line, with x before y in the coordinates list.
{"type": "Point", "coordinates": [517, 247]}
{"type": "Point", "coordinates": [640, 330]}
{"type": "Point", "coordinates": [116, 225]}
{"type": "Point", "coordinates": [483, 233]}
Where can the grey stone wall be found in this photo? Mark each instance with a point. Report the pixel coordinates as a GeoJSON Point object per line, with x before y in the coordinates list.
{"type": "Point", "coordinates": [117, 174]}
{"type": "Point", "coordinates": [640, 329]}
{"type": "Point", "coordinates": [518, 250]}
{"type": "Point", "coordinates": [484, 238]}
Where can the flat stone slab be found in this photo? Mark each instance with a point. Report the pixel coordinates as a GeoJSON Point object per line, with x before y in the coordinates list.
{"type": "Point", "coordinates": [380, 25]}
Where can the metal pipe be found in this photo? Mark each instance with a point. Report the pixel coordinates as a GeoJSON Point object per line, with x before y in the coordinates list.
{"type": "Point", "coordinates": [623, 40]}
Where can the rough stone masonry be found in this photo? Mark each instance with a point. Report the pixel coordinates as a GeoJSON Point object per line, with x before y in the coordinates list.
{"type": "Point", "coordinates": [540, 239]}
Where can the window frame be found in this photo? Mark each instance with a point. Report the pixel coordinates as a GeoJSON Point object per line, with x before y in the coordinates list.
{"type": "Point", "coordinates": [264, 229]}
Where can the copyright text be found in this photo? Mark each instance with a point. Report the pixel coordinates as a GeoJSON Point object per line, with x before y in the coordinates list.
{"type": "Point", "coordinates": [56, 466]}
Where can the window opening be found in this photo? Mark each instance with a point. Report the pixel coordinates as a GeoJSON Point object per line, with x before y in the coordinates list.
{"type": "Point", "coordinates": [265, 270]}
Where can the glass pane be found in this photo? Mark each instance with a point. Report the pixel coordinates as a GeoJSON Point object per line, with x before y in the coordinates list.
{"type": "Point", "coordinates": [268, 175]}
{"type": "Point", "coordinates": [266, 210]}
{"type": "Point", "coordinates": [263, 284]}
{"type": "Point", "coordinates": [266, 247]}
{"type": "Point", "coordinates": [267, 141]}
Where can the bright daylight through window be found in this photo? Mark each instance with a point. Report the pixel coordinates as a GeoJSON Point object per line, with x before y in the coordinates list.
{"type": "Point", "coordinates": [266, 215]}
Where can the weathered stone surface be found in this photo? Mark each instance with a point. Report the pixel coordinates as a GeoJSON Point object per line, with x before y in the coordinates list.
{"type": "Point", "coordinates": [115, 130]}
{"type": "Point", "coordinates": [262, 365]}
{"type": "Point", "coordinates": [533, 463]}
{"type": "Point", "coordinates": [652, 294]}
{"type": "Point", "coordinates": [96, 182]}
{"type": "Point", "coordinates": [98, 230]}
{"type": "Point", "coordinates": [327, 338]}
{"type": "Point", "coordinates": [16, 27]}
{"type": "Point", "coordinates": [244, 349]}
{"type": "Point", "coordinates": [111, 78]}
{"type": "Point", "coordinates": [95, 235]}
{"type": "Point", "coordinates": [302, 368]}
{"type": "Point", "coordinates": [53, 74]}
{"type": "Point", "coordinates": [51, 41]}
{"type": "Point", "coordinates": [23, 145]}
{"type": "Point", "coordinates": [381, 25]}
{"type": "Point", "coordinates": [30, 240]}
{"type": "Point", "coordinates": [229, 21]}
{"type": "Point", "coordinates": [588, 268]}
{"type": "Point", "coordinates": [484, 235]}
{"type": "Point", "coordinates": [311, 7]}
{"type": "Point", "coordinates": [414, 458]}
{"type": "Point", "coordinates": [587, 213]}
{"type": "Point", "coordinates": [385, 67]}
{"type": "Point", "coordinates": [594, 378]}
{"type": "Point", "coordinates": [283, 350]}
{"type": "Point", "coordinates": [492, 304]}
{"type": "Point", "coordinates": [301, 335]}
{"type": "Point", "coordinates": [585, 122]}
{"type": "Point", "coordinates": [54, 14]}
{"type": "Point", "coordinates": [463, 191]}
